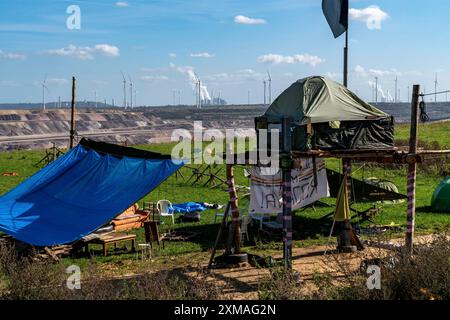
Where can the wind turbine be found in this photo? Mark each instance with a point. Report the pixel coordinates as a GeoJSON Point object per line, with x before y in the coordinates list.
{"type": "Point", "coordinates": [396, 90]}
{"type": "Point", "coordinates": [95, 98]}
{"type": "Point", "coordinates": [131, 92]}
{"type": "Point", "coordinates": [265, 86]}
{"type": "Point", "coordinates": [270, 87]}
{"type": "Point", "coordinates": [44, 87]}
{"type": "Point", "coordinates": [435, 88]}
{"type": "Point", "coordinates": [124, 91]}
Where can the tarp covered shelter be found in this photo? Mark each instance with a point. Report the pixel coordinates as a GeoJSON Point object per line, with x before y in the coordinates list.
{"type": "Point", "coordinates": [80, 192]}
{"type": "Point", "coordinates": [362, 191]}
{"type": "Point", "coordinates": [441, 197]}
{"type": "Point", "coordinates": [337, 118]}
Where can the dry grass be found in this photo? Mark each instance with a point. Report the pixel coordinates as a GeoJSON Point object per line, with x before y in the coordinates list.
{"type": "Point", "coordinates": [24, 279]}
{"type": "Point", "coordinates": [424, 276]}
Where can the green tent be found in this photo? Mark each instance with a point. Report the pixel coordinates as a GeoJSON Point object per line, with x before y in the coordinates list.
{"type": "Point", "coordinates": [441, 197]}
{"type": "Point", "coordinates": [339, 118]}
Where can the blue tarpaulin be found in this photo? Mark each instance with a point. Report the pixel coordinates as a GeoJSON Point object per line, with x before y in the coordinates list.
{"type": "Point", "coordinates": [188, 207]}
{"type": "Point", "coordinates": [80, 192]}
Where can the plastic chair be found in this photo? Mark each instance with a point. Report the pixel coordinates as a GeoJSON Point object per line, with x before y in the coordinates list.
{"type": "Point", "coordinates": [164, 207]}
{"type": "Point", "coordinates": [218, 214]}
{"type": "Point", "coordinates": [244, 227]}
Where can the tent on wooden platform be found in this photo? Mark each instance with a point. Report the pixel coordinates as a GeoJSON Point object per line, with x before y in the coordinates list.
{"type": "Point", "coordinates": [328, 116]}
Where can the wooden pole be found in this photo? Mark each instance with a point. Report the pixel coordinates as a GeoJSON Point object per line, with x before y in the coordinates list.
{"type": "Point", "coordinates": [346, 60]}
{"type": "Point", "coordinates": [234, 240]}
{"type": "Point", "coordinates": [72, 117]}
{"type": "Point", "coordinates": [287, 218]}
{"type": "Point", "coordinates": [346, 163]}
{"type": "Point", "coordinates": [344, 243]}
{"type": "Point", "coordinates": [222, 226]}
{"type": "Point", "coordinates": [412, 171]}
{"type": "Point", "coordinates": [286, 167]}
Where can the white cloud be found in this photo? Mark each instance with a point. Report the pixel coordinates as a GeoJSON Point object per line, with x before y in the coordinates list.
{"type": "Point", "coordinates": [85, 53]}
{"type": "Point", "coordinates": [333, 75]}
{"type": "Point", "coordinates": [298, 58]}
{"type": "Point", "coordinates": [154, 78]}
{"type": "Point", "coordinates": [172, 55]}
{"type": "Point", "coordinates": [360, 71]}
{"type": "Point", "coordinates": [372, 16]}
{"type": "Point", "coordinates": [122, 4]}
{"type": "Point", "coordinates": [246, 20]}
{"type": "Point", "coordinates": [11, 56]}
{"type": "Point", "coordinates": [202, 55]}
{"type": "Point", "coordinates": [239, 76]}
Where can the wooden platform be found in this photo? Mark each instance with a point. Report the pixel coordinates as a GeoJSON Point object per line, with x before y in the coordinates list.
{"type": "Point", "coordinates": [396, 155]}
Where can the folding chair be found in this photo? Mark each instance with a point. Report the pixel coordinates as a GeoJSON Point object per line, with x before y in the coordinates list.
{"type": "Point", "coordinates": [152, 234]}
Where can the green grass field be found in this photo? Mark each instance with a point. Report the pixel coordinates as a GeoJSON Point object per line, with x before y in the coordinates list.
{"type": "Point", "coordinates": [308, 229]}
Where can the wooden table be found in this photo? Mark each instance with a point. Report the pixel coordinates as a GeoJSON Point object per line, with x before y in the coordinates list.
{"type": "Point", "coordinates": [113, 238]}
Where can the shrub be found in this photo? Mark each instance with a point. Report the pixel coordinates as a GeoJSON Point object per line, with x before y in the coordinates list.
{"type": "Point", "coordinates": [24, 279]}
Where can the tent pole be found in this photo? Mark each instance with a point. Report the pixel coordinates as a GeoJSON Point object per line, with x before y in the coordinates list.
{"type": "Point", "coordinates": [72, 117]}
{"type": "Point", "coordinates": [412, 172]}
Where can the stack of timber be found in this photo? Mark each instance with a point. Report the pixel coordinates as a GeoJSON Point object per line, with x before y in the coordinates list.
{"type": "Point", "coordinates": [52, 253]}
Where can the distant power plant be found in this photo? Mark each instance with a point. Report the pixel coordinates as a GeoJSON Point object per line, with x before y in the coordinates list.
{"type": "Point", "coordinates": [214, 102]}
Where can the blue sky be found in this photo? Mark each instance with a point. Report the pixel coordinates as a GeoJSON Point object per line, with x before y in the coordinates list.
{"type": "Point", "coordinates": [229, 44]}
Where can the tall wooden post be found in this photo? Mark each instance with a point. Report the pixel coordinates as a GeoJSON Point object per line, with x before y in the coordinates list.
{"type": "Point", "coordinates": [72, 116]}
{"type": "Point", "coordinates": [286, 167]}
{"type": "Point", "coordinates": [412, 171]}
{"type": "Point", "coordinates": [344, 240]}
{"type": "Point", "coordinates": [234, 240]}
{"type": "Point", "coordinates": [346, 60]}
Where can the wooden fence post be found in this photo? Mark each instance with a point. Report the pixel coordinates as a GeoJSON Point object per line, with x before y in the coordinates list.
{"type": "Point", "coordinates": [234, 239]}
{"type": "Point", "coordinates": [412, 171]}
{"type": "Point", "coordinates": [72, 117]}
{"type": "Point", "coordinates": [286, 168]}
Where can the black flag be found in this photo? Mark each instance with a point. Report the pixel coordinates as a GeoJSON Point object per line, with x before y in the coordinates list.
{"type": "Point", "coordinates": [336, 13]}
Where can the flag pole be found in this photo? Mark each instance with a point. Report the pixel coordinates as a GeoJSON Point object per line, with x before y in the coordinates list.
{"type": "Point", "coordinates": [345, 243]}
{"type": "Point", "coordinates": [346, 59]}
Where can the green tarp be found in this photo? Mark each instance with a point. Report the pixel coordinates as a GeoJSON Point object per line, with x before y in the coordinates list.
{"type": "Point", "coordinates": [321, 100]}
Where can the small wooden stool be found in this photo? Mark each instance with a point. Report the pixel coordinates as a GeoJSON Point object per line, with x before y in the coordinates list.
{"type": "Point", "coordinates": [145, 249]}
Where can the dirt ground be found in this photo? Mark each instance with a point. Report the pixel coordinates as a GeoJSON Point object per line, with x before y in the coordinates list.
{"type": "Point", "coordinates": [241, 283]}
